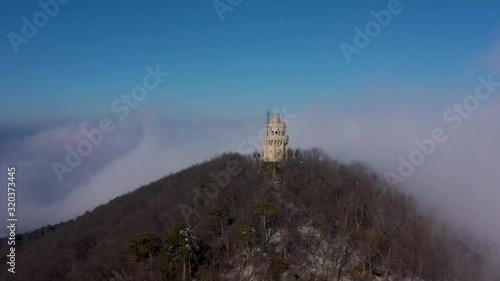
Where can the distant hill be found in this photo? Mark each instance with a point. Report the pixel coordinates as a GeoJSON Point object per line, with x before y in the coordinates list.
{"type": "Point", "coordinates": [236, 218]}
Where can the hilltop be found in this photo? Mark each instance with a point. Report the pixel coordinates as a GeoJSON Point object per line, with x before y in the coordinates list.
{"type": "Point", "coordinates": [233, 217]}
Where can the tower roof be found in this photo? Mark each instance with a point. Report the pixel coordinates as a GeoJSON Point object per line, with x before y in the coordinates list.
{"type": "Point", "coordinates": [276, 119]}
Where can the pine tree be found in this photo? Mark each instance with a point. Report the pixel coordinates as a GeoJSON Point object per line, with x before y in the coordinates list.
{"type": "Point", "coordinates": [182, 246]}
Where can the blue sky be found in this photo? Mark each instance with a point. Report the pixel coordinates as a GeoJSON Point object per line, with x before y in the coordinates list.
{"type": "Point", "coordinates": [264, 54]}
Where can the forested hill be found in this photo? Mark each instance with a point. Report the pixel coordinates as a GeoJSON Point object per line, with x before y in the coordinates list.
{"type": "Point", "coordinates": [236, 218]}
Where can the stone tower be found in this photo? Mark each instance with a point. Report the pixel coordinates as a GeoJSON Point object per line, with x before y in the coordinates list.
{"type": "Point", "coordinates": [275, 140]}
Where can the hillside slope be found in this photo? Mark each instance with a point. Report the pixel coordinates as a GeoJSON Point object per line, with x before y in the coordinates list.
{"type": "Point", "coordinates": [234, 218]}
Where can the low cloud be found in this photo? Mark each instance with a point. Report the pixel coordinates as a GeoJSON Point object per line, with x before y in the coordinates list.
{"type": "Point", "coordinates": [141, 150]}
{"type": "Point", "coordinates": [460, 179]}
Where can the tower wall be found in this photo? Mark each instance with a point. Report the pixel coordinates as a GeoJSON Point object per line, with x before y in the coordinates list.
{"type": "Point", "coordinates": [275, 141]}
